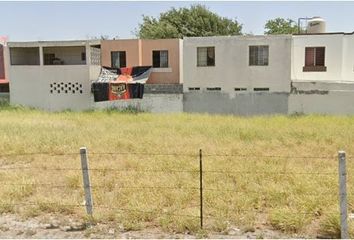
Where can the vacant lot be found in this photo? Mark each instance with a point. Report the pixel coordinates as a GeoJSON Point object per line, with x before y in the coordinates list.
{"type": "Point", "coordinates": [276, 172]}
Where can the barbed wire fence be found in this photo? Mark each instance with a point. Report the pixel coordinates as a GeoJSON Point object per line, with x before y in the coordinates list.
{"type": "Point", "coordinates": [199, 189]}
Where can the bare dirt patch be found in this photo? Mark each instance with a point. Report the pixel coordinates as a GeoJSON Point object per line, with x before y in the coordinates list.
{"type": "Point", "coordinates": [50, 226]}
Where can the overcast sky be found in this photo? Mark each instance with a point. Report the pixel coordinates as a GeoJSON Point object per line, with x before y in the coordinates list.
{"type": "Point", "coordinates": [25, 21]}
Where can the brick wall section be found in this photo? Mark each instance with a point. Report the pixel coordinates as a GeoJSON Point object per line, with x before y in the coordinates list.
{"type": "Point", "coordinates": [163, 88]}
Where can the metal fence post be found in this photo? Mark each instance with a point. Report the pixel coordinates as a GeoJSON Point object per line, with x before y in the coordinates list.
{"type": "Point", "coordinates": [86, 180]}
{"type": "Point", "coordinates": [201, 187]}
{"type": "Point", "coordinates": [343, 195]}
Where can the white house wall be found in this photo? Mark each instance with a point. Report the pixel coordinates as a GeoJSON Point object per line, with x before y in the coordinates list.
{"type": "Point", "coordinates": [338, 57]}
{"type": "Point", "coordinates": [30, 86]}
{"type": "Point", "coordinates": [348, 58]}
{"type": "Point", "coordinates": [232, 68]}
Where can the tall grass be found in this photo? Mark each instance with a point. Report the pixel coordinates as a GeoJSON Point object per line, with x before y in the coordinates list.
{"type": "Point", "coordinates": [294, 195]}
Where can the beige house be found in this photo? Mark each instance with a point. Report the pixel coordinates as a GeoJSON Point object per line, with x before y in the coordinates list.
{"type": "Point", "coordinates": [237, 64]}
{"type": "Point", "coordinates": [164, 55]}
{"type": "Point", "coordinates": [53, 75]}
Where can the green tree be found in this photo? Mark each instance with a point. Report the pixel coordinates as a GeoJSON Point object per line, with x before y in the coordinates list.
{"type": "Point", "coordinates": [280, 26]}
{"type": "Point", "coordinates": [195, 21]}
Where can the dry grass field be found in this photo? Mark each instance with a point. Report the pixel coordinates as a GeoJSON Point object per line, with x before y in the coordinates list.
{"type": "Point", "coordinates": [276, 172]}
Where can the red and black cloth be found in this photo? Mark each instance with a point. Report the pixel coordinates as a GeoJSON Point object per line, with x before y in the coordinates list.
{"type": "Point", "coordinates": [120, 83]}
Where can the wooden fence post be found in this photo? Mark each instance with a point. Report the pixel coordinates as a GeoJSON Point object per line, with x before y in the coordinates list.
{"type": "Point", "coordinates": [86, 180]}
{"type": "Point", "coordinates": [343, 205]}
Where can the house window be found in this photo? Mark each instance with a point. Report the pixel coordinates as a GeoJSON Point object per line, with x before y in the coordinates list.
{"type": "Point", "coordinates": [258, 55]}
{"type": "Point", "coordinates": [205, 56]}
{"type": "Point", "coordinates": [315, 59]}
{"type": "Point", "coordinates": [160, 59]}
{"type": "Point", "coordinates": [118, 59]}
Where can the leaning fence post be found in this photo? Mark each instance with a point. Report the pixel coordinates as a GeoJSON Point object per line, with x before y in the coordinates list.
{"type": "Point", "coordinates": [86, 180]}
{"type": "Point", "coordinates": [343, 195]}
{"type": "Point", "coordinates": [201, 187]}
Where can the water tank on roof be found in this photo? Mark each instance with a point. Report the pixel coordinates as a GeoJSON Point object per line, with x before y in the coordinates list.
{"type": "Point", "coordinates": [316, 25]}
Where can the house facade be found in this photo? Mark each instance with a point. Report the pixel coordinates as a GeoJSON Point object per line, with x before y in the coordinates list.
{"type": "Point", "coordinates": [326, 57]}
{"type": "Point", "coordinates": [322, 73]}
{"type": "Point", "coordinates": [237, 64]}
{"type": "Point", "coordinates": [4, 80]}
{"type": "Point", "coordinates": [53, 75]}
{"type": "Point", "coordinates": [275, 74]}
{"type": "Point", "coordinates": [237, 74]}
{"type": "Point", "coordinates": [164, 55]}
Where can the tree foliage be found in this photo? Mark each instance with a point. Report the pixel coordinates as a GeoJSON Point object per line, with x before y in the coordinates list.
{"type": "Point", "coordinates": [280, 26]}
{"type": "Point", "coordinates": [195, 21]}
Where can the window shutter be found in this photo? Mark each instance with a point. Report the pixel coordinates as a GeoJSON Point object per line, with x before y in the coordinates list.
{"type": "Point", "coordinates": [201, 56]}
{"type": "Point", "coordinates": [164, 59]}
{"type": "Point", "coordinates": [309, 56]}
{"type": "Point", "coordinates": [211, 56]}
{"type": "Point", "coordinates": [122, 59]}
{"type": "Point", "coordinates": [156, 59]}
{"type": "Point", "coordinates": [252, 55]}
{"type": "Point", "coordinates": [115, 59]}
{"type": "Point", "coordinates": [320, 56]}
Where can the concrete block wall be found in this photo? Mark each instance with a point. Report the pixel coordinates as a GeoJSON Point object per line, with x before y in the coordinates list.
{"type": "Point", "coordinates": [155, 103]}
{"type": "Point", "coordinates": [322, 98]}
{"type": "Point", "coordinates": [238, 104]}
{"type": "Point", "coordinates": [332, 103]}
{"type": "Point", "coordinates": [163, 88]}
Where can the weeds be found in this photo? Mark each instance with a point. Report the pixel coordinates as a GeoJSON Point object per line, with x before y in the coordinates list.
{"type": "Point", "coordinates": [253, 182]}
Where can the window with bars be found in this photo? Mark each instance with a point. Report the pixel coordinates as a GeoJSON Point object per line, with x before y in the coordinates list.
{"type": "Point", "coordinates": [315, 59]}
{"type": "Point", "coordinates": [205, 56]}
{"type": "Point", "coordinates": [118, 59]}
{"type": "Point", "coordinates": [160, 59]}
{"type": "Point", "coordinates": [258, 55]}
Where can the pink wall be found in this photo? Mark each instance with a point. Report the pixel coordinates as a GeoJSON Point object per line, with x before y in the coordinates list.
{"type": "Point", "coordinates": [130, 46]}
{"type": "Point", "coordinates": [2, 63]}
{"type": "Point", "coordinates": [139, 53]}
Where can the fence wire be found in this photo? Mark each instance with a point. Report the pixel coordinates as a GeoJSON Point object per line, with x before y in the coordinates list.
{"type": "Point", "coordinates": [218, 173]}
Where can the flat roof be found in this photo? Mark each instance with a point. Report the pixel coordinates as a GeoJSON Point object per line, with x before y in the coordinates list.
{"type": "Point", "coordinates": [245, 37]}
{"type": "Point", "coordinates": [325, 33]}
{"type": "Point", "coordinates": [54, 43]}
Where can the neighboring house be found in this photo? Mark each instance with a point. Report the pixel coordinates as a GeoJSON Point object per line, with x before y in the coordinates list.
{"type": "Point", "coordinates": [164, 55]}
{"type": "Point", "coordinates": [323, 57]}
{"type": "Point", "coordinates": [322, 73]}
{"type": "Point", "coordinates": [4, 80]}
{"type": "Point", "coordinates": [237, 74]}
{"type": "Point", "coordinates": [53, 75]}
{"type": "Point", "coordinates": [237, 64]}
